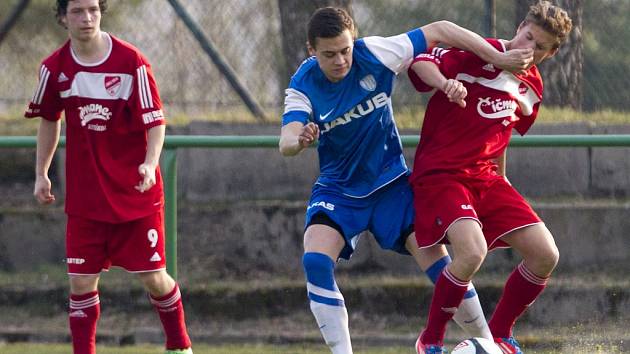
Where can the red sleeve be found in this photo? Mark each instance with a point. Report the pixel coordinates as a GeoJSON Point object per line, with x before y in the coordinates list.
{"type": "Point", "coordinates": [46, 102]}
{"type": "Point", "coordinates": [145, 103]}
{"type": "Point", "coordinates": [447, 60]}
{"type": "Point", "coordinates": [534, 84]}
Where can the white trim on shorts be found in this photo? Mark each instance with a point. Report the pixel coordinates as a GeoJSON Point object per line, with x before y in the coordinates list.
{"type": "Point", "coordinates": [449, 226]}
{"type": "Point", "coordinates": [505, 233]}
{"type": "Point", "coordinates": [123, 268]}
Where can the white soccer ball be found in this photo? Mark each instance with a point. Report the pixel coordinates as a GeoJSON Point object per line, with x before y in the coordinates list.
{"type": "Point", "coordinates": [477, 346]}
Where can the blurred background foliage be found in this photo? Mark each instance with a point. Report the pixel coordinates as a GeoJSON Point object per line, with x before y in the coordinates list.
{"type": "Point", "coordinates": [253, 36]}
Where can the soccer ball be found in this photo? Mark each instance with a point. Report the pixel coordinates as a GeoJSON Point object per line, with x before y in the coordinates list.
{"type": "Point", "coordinates": [477, 346]}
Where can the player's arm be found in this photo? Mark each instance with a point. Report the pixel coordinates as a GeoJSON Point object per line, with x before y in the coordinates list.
{"type": "Point", "coordinates": [455, 36]}
{"type": "Point", "coordinates": [47, 139]}
{"type": "Point", "coordinates": [295, 137]}
{"type": "Point", "coordinates": [155, 141]}
{"type": "Point", "coordinates": [431, 75]}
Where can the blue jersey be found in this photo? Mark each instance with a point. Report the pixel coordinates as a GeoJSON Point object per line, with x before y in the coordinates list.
{"type": "Point", "coordinates": [359, 146]}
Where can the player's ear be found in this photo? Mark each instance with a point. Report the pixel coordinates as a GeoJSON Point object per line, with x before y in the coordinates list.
{"type": "Point", "coordinates": [311, 49]}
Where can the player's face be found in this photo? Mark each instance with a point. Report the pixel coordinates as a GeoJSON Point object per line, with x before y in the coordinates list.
{"type": "Point", "coordinates": [83, 19]}
{"type": "Point", "coordinates": [334, 55]}
{"type": "Point", "coordinates": [533, 36]}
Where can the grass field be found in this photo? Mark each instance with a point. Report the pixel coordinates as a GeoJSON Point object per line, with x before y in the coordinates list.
{"type": "Point", "coordinates": [201, 349]}
{"type": "Point", "coordinates": [256, 349]}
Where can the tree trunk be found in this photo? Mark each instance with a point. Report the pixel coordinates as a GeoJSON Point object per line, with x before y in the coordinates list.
{"type": "Point", "coordinates": [562, 74]}
{"type": "Point", "coordinates": [294, 16]}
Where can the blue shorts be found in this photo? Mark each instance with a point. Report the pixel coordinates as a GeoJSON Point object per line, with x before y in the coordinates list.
{"type": "Point", "coordinates": [387, 213]}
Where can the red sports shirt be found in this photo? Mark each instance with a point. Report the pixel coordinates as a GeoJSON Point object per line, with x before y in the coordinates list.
{"type": "Point", "coordinates": [109, 106]}
{"type": "Point", "coordinates": [465, 141]}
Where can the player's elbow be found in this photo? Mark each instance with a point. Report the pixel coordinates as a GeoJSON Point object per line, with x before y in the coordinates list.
{"type": "Point", "coordinates": [438, 32]}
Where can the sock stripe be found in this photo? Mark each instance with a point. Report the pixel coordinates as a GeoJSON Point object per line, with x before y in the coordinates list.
{"type": "Point", "coordinates": [529, 276]}
{"type": "Point", "coordinates": [167, 302]}
{"type": "Point", "coordinates": [453, 279]}
{"type": "Point", "coordinates": [326, 300]}
{"type": "Point", "coordinates": [83, 304]}
{"type": "Point", "coordinates": [433, 272]}
{"type": "Point", "coordinates": [316, 290]}
{"type": "Point", "coordinates": [470, 293]}
{"type": "Point", "coordinates": [505, 348]}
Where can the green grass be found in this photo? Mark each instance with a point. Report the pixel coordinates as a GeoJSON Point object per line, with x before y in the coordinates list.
{"type": "Point", "coordinates": [198, 349]}
{"type": "Point", "coordinates": [253, 348]}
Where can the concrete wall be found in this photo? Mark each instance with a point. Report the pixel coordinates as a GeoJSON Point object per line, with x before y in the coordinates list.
{"type": "Point", "coordinates": [246, 239]}
{"type": "Point", "coordinates": [241, 210]}
{"type": "Point", "coordinates": [236, 174]}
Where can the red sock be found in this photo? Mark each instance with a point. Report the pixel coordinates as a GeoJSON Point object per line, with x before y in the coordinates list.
{"type": "Point", "coordinates": [171, 311]}
{"type": "Point", "coordinates": [521, 290]}
{"type": "Point", "coordinates": [83, 315]}
{"type": "Point", "coordinates": [448, 294]}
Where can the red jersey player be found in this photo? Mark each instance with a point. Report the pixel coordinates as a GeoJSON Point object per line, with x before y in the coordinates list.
{"type": "Point", "coordinates": [114, 196]}
{"type": "Point", "coordinates": [461, 193]}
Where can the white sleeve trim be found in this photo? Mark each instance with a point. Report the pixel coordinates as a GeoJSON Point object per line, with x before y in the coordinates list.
{"type": "Point", "coordinates": [396, 52]}
{"type": "Point", "coordinates": [295, 100]}
{"type": "Point", "coordinates": [44, 74]}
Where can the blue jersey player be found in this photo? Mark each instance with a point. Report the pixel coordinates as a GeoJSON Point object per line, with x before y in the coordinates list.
{"type": "Point", "coordinates": [341, 96]}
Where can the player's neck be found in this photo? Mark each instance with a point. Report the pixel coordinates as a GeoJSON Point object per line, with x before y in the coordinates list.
{"type": "Point", "coordinates": [93, 50]}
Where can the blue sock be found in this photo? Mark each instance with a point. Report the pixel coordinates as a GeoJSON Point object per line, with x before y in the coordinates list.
{"type": "Point", "coordinates": [321, 285]}
{"type": "Point", "coordinates": [434, 271]}
{"type": "Point", "coordinates": [326, 301]}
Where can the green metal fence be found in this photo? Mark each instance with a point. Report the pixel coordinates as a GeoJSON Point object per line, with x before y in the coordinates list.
{"type": "Point", "coordinates": [172, 143]}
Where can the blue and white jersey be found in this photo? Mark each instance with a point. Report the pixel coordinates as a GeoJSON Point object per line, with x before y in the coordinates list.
{"type": "Point", "coordinates": [359, 146]}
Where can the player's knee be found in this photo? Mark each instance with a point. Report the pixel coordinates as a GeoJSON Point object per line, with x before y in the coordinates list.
{"type": "Point", "coordinates": [549, 258]}
{"type": "Point", "coordinates": [83, 284]}
{"type": "Point", "coordinates": [157, 283]}
{"type": "Point", "coordinates": [319, 269]}
{"type": "Point", "coordinates": [473, 258]}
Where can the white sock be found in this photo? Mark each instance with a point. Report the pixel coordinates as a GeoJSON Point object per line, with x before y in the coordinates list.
{"type": "Point", "coordinates": [470, 317]}
{"type": "Point", "coordinates": [333, 323]}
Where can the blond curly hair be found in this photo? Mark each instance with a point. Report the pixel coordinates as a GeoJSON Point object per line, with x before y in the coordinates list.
{"type": "Point", "coordinates": [552, 19]}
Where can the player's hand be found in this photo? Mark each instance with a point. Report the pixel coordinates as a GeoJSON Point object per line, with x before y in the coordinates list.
{"type": "Point", "coordinates": [456, 92]}
{"type": "Point", "coordinates": [147, 172]}
{"type": "Point", "coordinates": [42, 190]}
{"type": "Point", "coordinates": [516, 60]}
{"type": "Point", "coordinates": [309, 134]}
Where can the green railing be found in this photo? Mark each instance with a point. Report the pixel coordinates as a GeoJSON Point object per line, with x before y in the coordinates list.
{"type": "Point", "coordinates": [172, 143]}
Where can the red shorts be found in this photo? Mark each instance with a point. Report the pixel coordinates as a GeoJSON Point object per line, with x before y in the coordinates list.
{"type": "Point", "coordinates": [93, 246]}
{"type": "Point", "coordinates": [441, 200]}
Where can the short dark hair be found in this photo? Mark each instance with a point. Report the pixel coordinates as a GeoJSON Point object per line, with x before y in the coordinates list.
{"type": "Point", "coordinates": [62, 7]}
{"type": "Point", "coordinates": [329, 22]}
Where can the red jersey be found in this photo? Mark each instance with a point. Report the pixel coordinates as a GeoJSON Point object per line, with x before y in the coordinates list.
{"type": "Point", "coordinates": [466, 141]}
{"type": "Point", "coordinates": [109, 106]}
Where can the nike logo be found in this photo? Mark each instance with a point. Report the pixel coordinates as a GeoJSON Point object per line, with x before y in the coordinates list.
{"type": "Point", "coordinates": [471, 321]}
{"type": "Point", "coordinates": [322, 117]}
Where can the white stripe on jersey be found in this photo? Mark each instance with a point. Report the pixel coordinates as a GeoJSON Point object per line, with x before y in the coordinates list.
{"type": "Point", "coordinates": [44, 74]}
{"type": "Point", "coordinates": [509, 83]}
{"type": "Point", "coordinates": [396, 52]}
{"type": "Point", "coordinates": [295, 100]}
{"type": "Point", "coordinates": [144, 89]}
{"type": "Point", "coordinates": [311, 288]}
{"type": "Point", "coordinates": [92, 85]}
